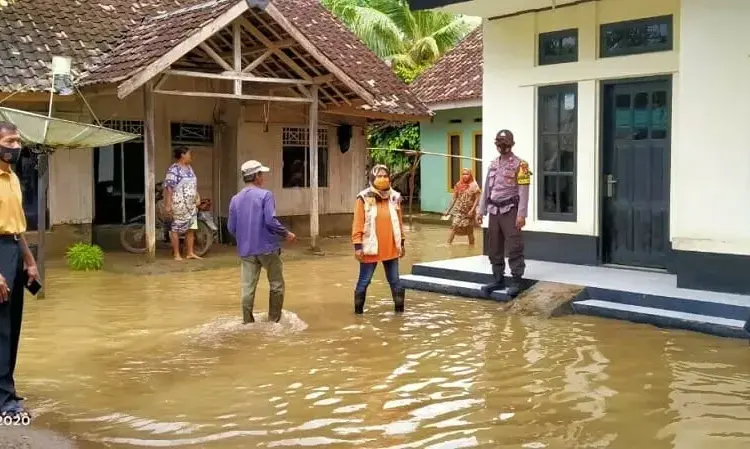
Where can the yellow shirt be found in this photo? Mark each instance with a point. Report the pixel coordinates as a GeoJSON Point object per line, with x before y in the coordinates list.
{"type": "Point", "coordinates": [12, 218]}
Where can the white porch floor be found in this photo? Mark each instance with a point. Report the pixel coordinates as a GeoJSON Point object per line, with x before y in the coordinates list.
{"type": "Point", "coordinates": [622, 279]}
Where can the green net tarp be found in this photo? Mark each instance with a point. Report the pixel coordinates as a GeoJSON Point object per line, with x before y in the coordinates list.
{"type": "Point", "coordinates": [59, 133]}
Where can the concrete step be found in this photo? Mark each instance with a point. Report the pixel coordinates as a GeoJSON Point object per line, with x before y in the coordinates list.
{"type": "Point", "coordinates": [687, 305]}
{"type": "Point", "coordinates": [450, 287]}
{"type": "Point", "coordinates": [714, 325]}
{"type": "Point", "coordinates": [452, 274]}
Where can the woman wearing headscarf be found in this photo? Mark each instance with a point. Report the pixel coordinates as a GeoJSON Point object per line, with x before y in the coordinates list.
{"type": "Point", "coordinates": [378, 236]}
{"type": "Point", "coordinates": [181, 201]}
{"type": "Point", "coordinates": [463, 208]}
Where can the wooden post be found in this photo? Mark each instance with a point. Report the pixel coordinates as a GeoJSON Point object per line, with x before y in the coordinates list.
{"type": "Point", "coordinates": [237, 56]}
{"type": "Point", "coordinates": [412, 175]}
{"type": "Point", "coordinates": [313, 146]}
{"type": "Point", "coordinates": [149, 141]}
{"type": "Point", "coordinates": [42, 166]}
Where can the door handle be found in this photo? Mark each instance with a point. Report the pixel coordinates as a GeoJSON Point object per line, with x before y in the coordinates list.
{"type": "Point", "coordinates": [611, 181]}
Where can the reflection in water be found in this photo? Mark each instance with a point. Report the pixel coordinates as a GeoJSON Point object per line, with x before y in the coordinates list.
{"type": "Point", "coordinates": [135, 362]}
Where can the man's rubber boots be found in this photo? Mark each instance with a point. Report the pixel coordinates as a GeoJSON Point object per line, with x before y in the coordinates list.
{"type": "Point", "coordinates": [399, 297]}
{"type": "Point", "coordinates": [499, 284]}
{"type": "Point", "coordinates": [359, 302]}
{"type": "Point", "coordinates": [515, 287]}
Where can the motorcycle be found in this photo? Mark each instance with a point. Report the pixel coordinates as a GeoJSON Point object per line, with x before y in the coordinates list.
{"type": "Point", "coordinates": [133, 234]}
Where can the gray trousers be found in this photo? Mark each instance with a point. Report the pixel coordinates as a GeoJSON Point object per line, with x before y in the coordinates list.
{"type": "Point", "coordinates": [503, 236]}
{"type": "Point", "coordinates": [250, 269]}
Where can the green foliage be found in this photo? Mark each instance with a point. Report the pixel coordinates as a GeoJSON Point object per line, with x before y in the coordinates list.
{"type": "Point", "coordinates": [85, 257]}
{"type": "Point", "coordinates": [398, 35]}
{"type": "Point", "coordinates": [382, 139]}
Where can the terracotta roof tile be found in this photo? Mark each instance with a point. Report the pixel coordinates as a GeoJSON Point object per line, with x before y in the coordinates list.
{"type": "Point", "coordinates": [156, 35]}
{"type": "Point", "coordinates": [457, 76]}
{"type": "Point", "coordinates": [151, 39]}
{"type": "Point", "coordinates": [82, 29]}
{"type": "Point", "coordinates": [349, 53]}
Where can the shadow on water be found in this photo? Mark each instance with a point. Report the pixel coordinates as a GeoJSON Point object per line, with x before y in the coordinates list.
{"type": "Point", "coordinates": [128, 361]}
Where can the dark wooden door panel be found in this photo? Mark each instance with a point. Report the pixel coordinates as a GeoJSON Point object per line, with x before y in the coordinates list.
{"type": "Point", "coordinates": [636, 170]}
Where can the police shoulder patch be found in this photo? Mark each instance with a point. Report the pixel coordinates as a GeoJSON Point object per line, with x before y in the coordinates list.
{"type": "Point", "coordinates": [523, 178]}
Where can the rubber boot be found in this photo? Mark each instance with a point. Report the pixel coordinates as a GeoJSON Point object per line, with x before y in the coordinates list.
{"type": "Point", "coordinates": [399, 297]}
{"type": "Point", "coordinates": [514, 287]}
{"type": "Point", "coordinates": [275, 305]}
{"type": "Point", "coordinates": [499, 284]}
{"type": "Point", "coordinates": [359, 302]}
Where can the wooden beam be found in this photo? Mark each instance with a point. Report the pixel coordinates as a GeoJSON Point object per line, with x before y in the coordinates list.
{"type": "Point", "coordinates": [322, 79]}
{"type": "Point", "coordinates": [236, 76]}
{"type": "Point", "coordinates": [149, 142]}
{"type": "Point", "coordinates": [237, 47]}
{"type": "Point", "coordinates": [317, 54]}
{"type": "Point", "coordinates": [258, 61]}
{"type": "Point", "coordinates": [233, 96]}
{"type": "Point", "coordinates": [267, 42]}
{"type": "Point", "coordinates": [140, 77]}
{"type": "Point", "coordinates": [351, 111]}
{"type": "Point", "coordinates": [215, 56]}
{"type": "Point", "coordinates": [313, 157]}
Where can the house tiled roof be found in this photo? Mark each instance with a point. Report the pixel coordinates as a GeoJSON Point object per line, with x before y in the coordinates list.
{"type": "Point", "coordinates": [457, 76]}
{"type": "Point", "coordinates": [156, 35]}
{"type": "Point", "coordinates": [349, 53]}
{"type": "Point", "coordinates": [151, 39]}
{"type": "Point", "coordinates": [85, 30]}
{"type": "Point", "coordinates": [113, 39]}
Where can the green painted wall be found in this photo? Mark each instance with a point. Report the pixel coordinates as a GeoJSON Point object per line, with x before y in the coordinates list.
{"type": "Point", "coordinates": [434, 189]}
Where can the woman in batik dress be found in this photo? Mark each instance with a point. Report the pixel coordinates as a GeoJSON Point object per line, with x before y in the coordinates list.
{"type": "Point", "coordinates": [181, 203]}
{"type": "Point", "coordinates": [463, 208]}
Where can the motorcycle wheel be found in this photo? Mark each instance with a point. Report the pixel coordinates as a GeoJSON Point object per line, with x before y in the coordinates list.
{"type": "Point", "coordinates": [133, 238]}
{"type": "Point", "coordinates": [204, 238]}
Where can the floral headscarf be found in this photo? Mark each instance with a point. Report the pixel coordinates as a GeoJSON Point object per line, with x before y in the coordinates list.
{"type": "Point", "coordinates": [385, 194]}
{"type": "Point", "coordinates": [470, 185]}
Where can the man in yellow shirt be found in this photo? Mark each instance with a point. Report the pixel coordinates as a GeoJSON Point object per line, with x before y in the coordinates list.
{"type": "Point", "coordinates": [17, 267]}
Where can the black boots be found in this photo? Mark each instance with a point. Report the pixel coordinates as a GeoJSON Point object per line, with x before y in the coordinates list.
{"type": "Point", "coordinates": [399, 296]}
{"type": "Point", "coordinates": [499, 284]}
{"type": "Point", "coordinates": [514, 288]}
{"type": "Point", "coordinates": [359, 302]}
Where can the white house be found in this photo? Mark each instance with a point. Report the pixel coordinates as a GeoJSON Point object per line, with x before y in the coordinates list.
{"type": "Point", "coordinates": [633, 115]}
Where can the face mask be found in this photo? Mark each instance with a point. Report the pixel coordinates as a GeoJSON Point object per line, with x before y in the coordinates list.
{"type": "Point", "coordinates": [382, 184]}
{"type": "Point", "coordinates": [10, 155]}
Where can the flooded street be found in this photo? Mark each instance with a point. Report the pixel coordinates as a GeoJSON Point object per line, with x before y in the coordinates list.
{"type": "Point", "coordinates": [124, 361]}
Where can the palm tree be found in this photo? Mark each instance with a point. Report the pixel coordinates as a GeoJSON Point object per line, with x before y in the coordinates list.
{"type": "Point", "coordinates": [409, 41]}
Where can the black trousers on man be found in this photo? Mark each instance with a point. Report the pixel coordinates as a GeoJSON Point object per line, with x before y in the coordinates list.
{"type": "Point", "coordinates": [502, 236]}
{"type": "Point", "coordinates": [11, 313]}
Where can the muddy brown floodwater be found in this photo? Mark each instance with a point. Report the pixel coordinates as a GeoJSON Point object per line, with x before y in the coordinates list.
{"type": "Point", "coordinates": [124, 361]}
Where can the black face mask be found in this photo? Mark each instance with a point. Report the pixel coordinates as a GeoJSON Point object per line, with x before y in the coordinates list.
{"type": "Point", "coordinates": [9, 155]}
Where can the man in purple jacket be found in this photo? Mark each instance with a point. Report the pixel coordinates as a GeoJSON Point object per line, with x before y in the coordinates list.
{"type": "Point", "coordinates": [253, 223]}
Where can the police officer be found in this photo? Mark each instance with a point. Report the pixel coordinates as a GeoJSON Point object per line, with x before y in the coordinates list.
{"type": "Point", "coordinates": [17, 267]}
{"type": "Point", "coordinates": [506, 199]}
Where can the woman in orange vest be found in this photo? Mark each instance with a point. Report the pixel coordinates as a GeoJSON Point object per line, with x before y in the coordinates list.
{"type": "Point", "coordinates": [378, 236]}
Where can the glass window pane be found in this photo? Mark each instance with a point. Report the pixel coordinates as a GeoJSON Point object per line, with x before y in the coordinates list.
{"type": "Point", "coordinates": [566, 186]}
{"type": "Point", "coordinates": [549, 117]}
{"type": "Point", "coordinates": [641, 116]}
{"type": "Point", "coordinates": [455, 150]}
{"type": "Point", "coordinates": [637, 36]}
{"type": "Point", "coordinates": [659, 115]}
{"type": "Point", "coordinates": [550, 159]}
{"type": "Point", "coordinates": [567, 153]}
{"type": "Point", "coordinates": [568, 112]}
{"type": "Point", "coordinates": [549, 194]}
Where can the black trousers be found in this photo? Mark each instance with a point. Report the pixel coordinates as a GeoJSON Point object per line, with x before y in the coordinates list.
{"type": "Point", "coordinates": [11, 314]}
